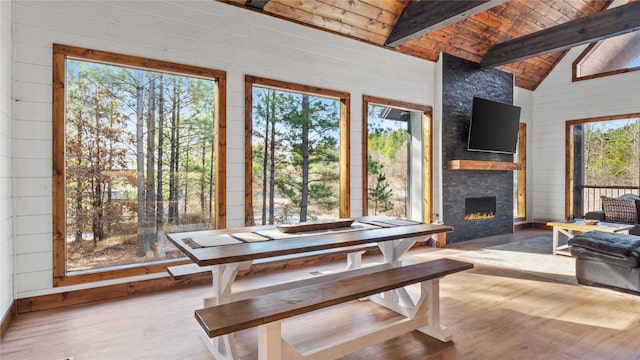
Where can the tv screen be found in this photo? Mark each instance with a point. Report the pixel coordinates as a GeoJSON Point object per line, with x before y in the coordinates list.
{"type": "Point", "coordinates": [494, 126]}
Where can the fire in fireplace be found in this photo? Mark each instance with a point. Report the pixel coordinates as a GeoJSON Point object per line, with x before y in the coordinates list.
{"type": "Point", "coordinates": [481, 208]}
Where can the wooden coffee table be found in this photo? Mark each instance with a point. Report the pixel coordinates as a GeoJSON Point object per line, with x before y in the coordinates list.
{"type": "Point", "coordinates": [569, 229]}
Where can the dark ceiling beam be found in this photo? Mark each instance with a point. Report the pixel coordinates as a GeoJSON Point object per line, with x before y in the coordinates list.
{"type": "Point", "coordinates": [257, 4]}
{"type": "Point", "coordinates": [421, 17]}
{"type": "Point", "coordinates": [605, 24]}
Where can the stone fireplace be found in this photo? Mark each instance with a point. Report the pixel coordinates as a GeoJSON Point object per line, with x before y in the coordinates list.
{"type": "Point", "coordinates": [489, 193]}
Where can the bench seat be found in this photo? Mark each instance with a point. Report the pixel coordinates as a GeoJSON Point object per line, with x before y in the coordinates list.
{"type": "Point", "coordinates": [266, 311]}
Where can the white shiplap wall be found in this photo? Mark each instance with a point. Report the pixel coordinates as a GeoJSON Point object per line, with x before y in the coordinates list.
{"type": "Point", "coordinates": [201, 33]}
{"type": "Point", "coordinates": [6, 155]}
{"type": "Point", "coordinates": [557, 100]}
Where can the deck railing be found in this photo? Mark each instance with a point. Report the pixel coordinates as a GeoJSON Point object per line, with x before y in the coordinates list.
{"type": "Point", "coordinates": [591, 194]}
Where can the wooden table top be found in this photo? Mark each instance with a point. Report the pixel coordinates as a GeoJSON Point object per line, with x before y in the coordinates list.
{"type": "Point", "coordinates": [223, 254]}
{"type": "Point", "coordinates": [600, 226]}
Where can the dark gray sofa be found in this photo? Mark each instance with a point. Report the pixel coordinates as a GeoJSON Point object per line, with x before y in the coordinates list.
{"type": "Point", "coordinates": [608, 260]}
{"type": "Point", "coordinates": [602, 215]}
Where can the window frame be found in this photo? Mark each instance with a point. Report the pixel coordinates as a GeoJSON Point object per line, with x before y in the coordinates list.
{"type": "Point", "coordinates": [427, 150]}
{"type": "Point", "coordinates": [569, 158]}
{"type": "Point", "coordinates": [522, 173]}
{"type": "Point", "coordinates": [575, 67]}
{"type": "Point", "coordinates": [60, 54]}
{"type": "Point", "coordinates": [345, 136]}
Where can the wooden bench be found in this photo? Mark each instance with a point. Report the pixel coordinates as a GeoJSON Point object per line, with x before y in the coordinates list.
{"type": "Point", "coordinates": [266, 311]}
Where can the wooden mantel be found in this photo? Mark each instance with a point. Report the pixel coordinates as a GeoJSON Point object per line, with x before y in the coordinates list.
{"type": "Point", "coordinates": [482, 165]}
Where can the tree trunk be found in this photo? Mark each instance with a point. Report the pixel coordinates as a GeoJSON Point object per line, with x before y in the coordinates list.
{"type": "Point", "coordinates": [142, 234]}
{"type": "Point", "coordinates": [272, 172]}
{"type": "Point", "coordinates": [203, 178]}
{"type": "Point", "coordinates": [264, 159]}
{"type": "Point", "coordinates": [79, 222]}
{"type": "Point", "coordinates": [304, 193]}
{"type": "Point", "coordinates": [186, 179]}
{"type": "Point", "coordinates": [151, 148]}
{"type": "Point", "coordinates": [159, 194]}
{"type": "Point", "coordinates": [173, 156]}
{"type": "Point", "coordinates": [97, 203]}
{"type": "Point", "coordinates": [212, 150]}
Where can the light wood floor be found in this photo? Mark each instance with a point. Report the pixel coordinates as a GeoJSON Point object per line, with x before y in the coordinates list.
{"type": "Point", "coordinates": [493, 313]}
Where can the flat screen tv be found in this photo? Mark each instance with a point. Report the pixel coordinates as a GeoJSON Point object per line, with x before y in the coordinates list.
{"type": "Point", "coordinates": [494, 127]}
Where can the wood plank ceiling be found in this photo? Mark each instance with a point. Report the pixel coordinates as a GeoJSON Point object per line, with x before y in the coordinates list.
{"type": "Point", "coordinates": [470, 37]}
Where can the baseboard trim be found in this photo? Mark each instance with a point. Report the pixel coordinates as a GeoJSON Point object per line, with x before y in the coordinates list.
{"type": "Point", "coordinates": [541, 226]}
{"type": "Point", "coordinates": [8, 319]}
{"type": "Point", "coordinates": [522, 226]}
{"type": "Point", "coordinates": [110, 292]}
{"type": "Point", "coordinates": [531, 225]}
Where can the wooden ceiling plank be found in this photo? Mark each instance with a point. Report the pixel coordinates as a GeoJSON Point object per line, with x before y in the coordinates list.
{"type": "Point", "coordinates": [602, 25]}
{"type": "Point", "coordinates": [421, 17]}
{"type": "Point", "coordinates": [303, 17]}
{"type": "Point", "coordinates": [439, 46]}
{"type": "Point", "coordinates": [364, 9]}
{"type": "Point", "coordinates": [595, 5]}
{"type": "Point", "coordinates": [420, 52]}
{"type": "Point", "coordinates": [392, 6]}
{"type": "Point", "coordinates": [327, 11]}
{"type": "Point", "coordinates": [546, 11]}
{"type": "Point", "coordinates": [520, 12]}
{"type": "Point", "coordinates": [572, 9]}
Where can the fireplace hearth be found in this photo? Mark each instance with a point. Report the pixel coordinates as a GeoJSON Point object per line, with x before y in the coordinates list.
{"type": "Point", "coordinates": [481, 208]}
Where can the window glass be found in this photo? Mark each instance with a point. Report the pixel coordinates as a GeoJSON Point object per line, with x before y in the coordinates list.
{"type": "Point", "coordinates": [295, 146]}
{"type": "Point", "coordinates": [606, 161]}
{"type": "Point", "coordinates": [135, 157]}
{"type": "Point", "coordinates": [610, 56]}
{"type": "Point", "coordinates": [387, 161]}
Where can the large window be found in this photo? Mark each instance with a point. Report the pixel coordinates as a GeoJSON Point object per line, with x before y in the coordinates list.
{"type": "Point", "coordinates": [137, 154]}
{"type": "Point", "coordinates": [397, 159]}
{"type": "Point", "coordinates": [603, 159]}
{"type": "Point", "coordinates": [297, 138]}
{"type": "Point", "coordinates": [611, 56]}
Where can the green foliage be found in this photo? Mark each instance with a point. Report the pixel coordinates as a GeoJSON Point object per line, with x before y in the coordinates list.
{"type": "Point", "coordinates": [380, 194]}
{"type": "Point", "coordinates": [387, 148]}
{"type": "Point", "coordinates": [612, 153]}
{"type": "Point", "coordinates": [306, 146]}
{"type": "Point", "coordinates": [387, 142]}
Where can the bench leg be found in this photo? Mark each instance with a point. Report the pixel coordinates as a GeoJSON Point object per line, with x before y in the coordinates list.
{"type": "Point", "coordinates": [436, 330]}
{"type": "Point", "coordinates": [354, 260]}
{"type": "Point", "coordinates": [218, 350]}
{"type": "Point", "coordinates": [270, 341]}
{"type": "Point", "coordinates": [223, 277]}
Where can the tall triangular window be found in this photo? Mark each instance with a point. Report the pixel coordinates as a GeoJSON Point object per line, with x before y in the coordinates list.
{"type": "Point", "coordinates": [608, 57]}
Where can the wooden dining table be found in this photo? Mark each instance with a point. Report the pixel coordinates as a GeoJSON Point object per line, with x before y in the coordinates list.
{"type": "Point", "coordinates": [228, 251]}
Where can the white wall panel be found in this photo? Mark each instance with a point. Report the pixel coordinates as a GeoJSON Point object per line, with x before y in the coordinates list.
{"type": "Point", "coordinates": [33, 187]}
{"type": "Point", "coordinates": [558, 100]}
{"type": "Point", "coordinates": [7, 289]}
{"type": "Point", "coordinates": [33, 262]}
{"type": "Point", "coordinates": [32, 205]}
{"type": "Point", "coordinates": [201, 33]}
{"type": "Point", "coordinates": [32, 130]}
{"type": "Point", "coordinates": [27, 244]}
